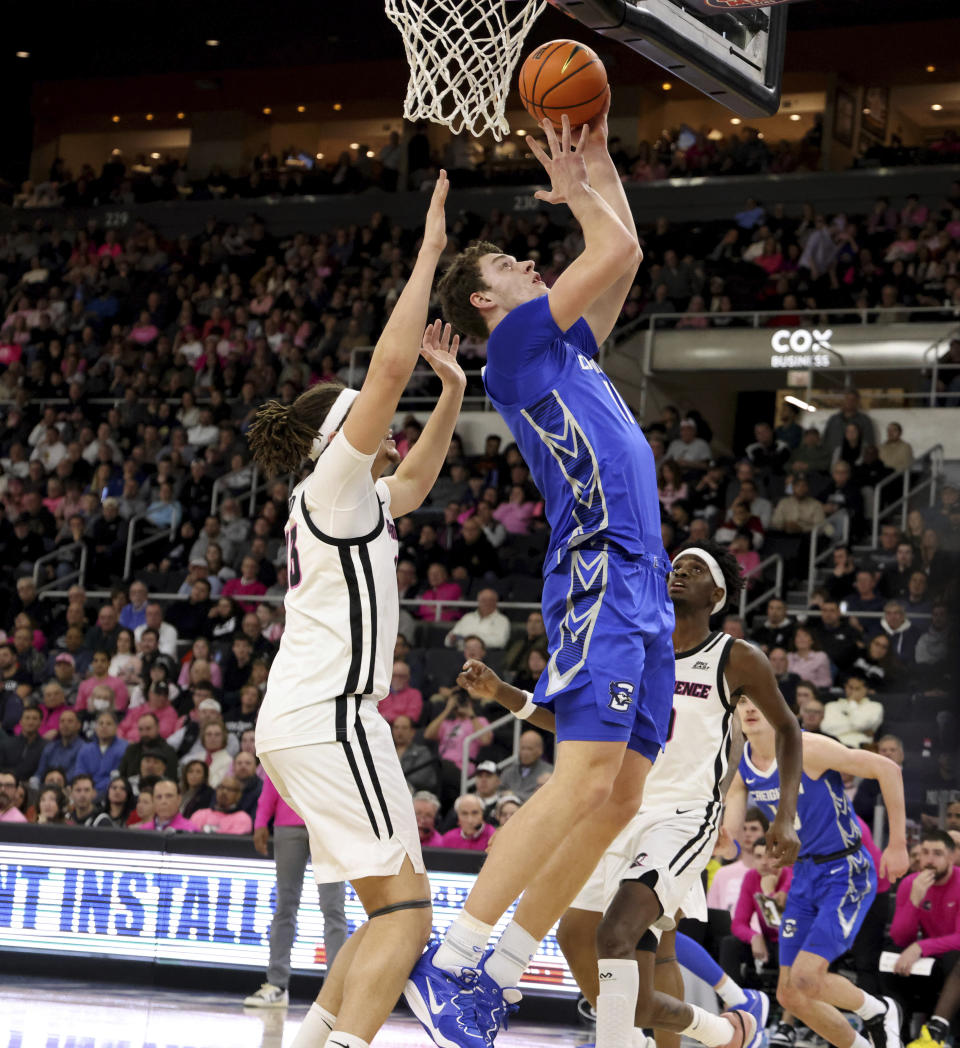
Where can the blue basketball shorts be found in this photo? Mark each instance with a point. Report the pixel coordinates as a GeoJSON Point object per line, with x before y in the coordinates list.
{"type": "Point", "coordinates": [609, 624]}
{"type": "Point", "coordinates": [826, 905]}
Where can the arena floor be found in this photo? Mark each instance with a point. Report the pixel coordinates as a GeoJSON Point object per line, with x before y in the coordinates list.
{"type": "Point", "coordinates": [39, 1013]}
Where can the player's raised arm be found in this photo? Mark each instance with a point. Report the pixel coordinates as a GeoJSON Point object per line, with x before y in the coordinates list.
{"type": "Point", "coordinates": [821, 753]}
{"type": "Point", "coordinates": [605, 179]}
{"type": "Point", "coordinates": [418, 472]}
{"type": "Point", "coordinates": [754, 676]}
{"type": "Point", "coordinates": [398, 347]}
{"type": "Point", "coordinates": [611, 248]}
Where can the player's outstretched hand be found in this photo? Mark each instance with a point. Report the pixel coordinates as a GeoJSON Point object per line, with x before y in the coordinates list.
{"type": "Point", "coordinates": [783, 844]}
{"type": "Point", "coordinates": [894, 862]}
{"type": "Point", "coordinates": [567, 168]}
{"type": "Point", "coordinates": [479, 680]}
{"type": "Point", "coordinates": [435, 227]}
{"type": "Point", "coordinates": [439, 350]}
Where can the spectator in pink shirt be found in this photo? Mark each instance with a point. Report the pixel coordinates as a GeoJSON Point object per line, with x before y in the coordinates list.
{"type": "Point", "coordinates": [441, 588]}
{"type": "Point", "coordinates": [247, 585]}
{"type": "Point", "coordinates": [158, 703]}
{"type": "Point", "coordinates": [9, 812]}
{"type": "Point", "coordinates": [225, 816]}
{"type": "Point", "coordinates": [54, 703]}
{"type": "Point", "coordinates": [807, 661]}
{"type": "Point", "coordinates": [452, 725]}
{"type": "Point", "coordinates": [725, 886]}
{"type": "Point", "coordinates": [516, 513]}
{"type": "Point", "coordinates": [99, 674]}
{"type": "Point", "coordinates": [166, 809]}
{"type": "Point", "coordinates": [425, 807]}
{"type": "Point", "coordinates": [401, 699]}
{"type": "Point", "coordinates": [471, 833]}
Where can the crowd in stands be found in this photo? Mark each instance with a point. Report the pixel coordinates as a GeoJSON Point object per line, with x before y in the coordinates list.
{"type": "Point", "coordinates": [130, 369]}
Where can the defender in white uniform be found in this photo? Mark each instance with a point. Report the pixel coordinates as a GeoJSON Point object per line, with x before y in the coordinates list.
{"type": "Point", "coordinates": [653, 868]}
{"type": "Point", "coordinates": [319, 735]}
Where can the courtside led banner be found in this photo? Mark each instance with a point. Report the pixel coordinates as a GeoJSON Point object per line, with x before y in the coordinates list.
{"type": "Point", "coordinates": [183, 909]}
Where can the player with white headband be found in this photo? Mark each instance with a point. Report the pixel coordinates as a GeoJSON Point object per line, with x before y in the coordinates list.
{"type": "Point", "coordinates": [319, 735]}
{"type": "Point", "coordinates": [652, 870]}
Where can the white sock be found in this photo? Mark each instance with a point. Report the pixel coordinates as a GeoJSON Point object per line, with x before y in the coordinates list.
{"type": "Point", "coordinates": [511, 955]}
{"type": "Point", "coordinates": [859, 1041]}
{"type": "Point", "coordinates": [730, 993]}
{"type": "Point", "coordinates": [709, 1029]}
{"type": "Point", "coordinates": [871, 1007]}
{"type": "Point", "coordinates": [315, 1028]}
{"type": "Point", "coordinates": [339, 1039]}
{"type": "Point", "coordinates": [640, 1039]}
{"type": "Point", "coordinates": [463, 945]}
{"type": "Point", "coordinates": [616, 1001]}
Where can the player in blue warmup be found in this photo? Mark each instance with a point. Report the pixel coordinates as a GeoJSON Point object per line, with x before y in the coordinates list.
{"type": "Point", "coordinates": [834, 880]}
{"type": "Point", "coordinates": [609, 620]}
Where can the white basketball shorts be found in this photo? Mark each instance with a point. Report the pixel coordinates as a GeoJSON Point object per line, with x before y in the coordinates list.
{"type": "Point", "coordinates": [354, 800]}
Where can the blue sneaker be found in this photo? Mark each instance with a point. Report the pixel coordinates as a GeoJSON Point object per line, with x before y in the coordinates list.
{"type": "Point", "coordinates": [494, 1004]}
{"type": "Point", "coordinates": [758, 1005]}
{"type": "Point", "coordinates": [445, 1005]}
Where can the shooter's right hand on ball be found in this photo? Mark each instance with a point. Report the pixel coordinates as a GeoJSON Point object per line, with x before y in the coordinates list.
{"type": "Point", "coordinates": [567, 169]}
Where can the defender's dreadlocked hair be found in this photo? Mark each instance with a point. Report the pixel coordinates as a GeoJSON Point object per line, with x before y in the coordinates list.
{"type": "Point", "coordinates": [281, 435]}
{"type": "Point", "coordinates": [729, 567]}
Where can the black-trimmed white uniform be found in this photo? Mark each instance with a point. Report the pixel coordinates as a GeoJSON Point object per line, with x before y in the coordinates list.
{"type": "Point", "coordinates": [671, 837]}
{"type": "Point", "coordinates": [321, 740]}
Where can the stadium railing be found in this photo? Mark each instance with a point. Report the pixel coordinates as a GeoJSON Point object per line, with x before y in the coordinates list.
{"type": "Point", "coordinates": [248, 494]}
{"type": "Point", "coordinates": [932, 457]}
{"type": "Point", "coordinates": [466, 779]}
{"type": "Point", "coordinates": [818, 553]}
{"type": "Point", "coordinates": [134, 545]}
{"type": "Point", "coordinates": [775, 589]}
{"type": "Point", "coordinates": [77, 575]}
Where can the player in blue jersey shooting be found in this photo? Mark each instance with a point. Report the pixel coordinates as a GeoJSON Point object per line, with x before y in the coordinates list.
{"type": "Point", "coordinates": [609, 620]}
{"type": "Point", "coordinates": [834, 880]}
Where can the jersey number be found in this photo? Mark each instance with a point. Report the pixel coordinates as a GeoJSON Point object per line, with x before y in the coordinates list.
{"type": "Point", "coordinates": [294, 574]}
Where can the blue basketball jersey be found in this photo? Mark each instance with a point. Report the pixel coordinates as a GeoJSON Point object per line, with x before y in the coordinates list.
{"type": "Point", "coordinates": [825, 821]}
{"type": "Point", "coordinates": [586, 453]}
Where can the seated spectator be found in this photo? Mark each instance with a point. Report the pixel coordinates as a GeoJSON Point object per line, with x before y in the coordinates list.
{"type": "Point", "coordinates": [895, 452]}
{"type": "Point", "coordinates": [211, 748]}
{"type": "Point", "coordinates": [103, 636]}
{"type": "Point", "coordinates": [126, 663]}
{"type": "Point", "coordinates": [524, 777]}
{"type": "Point", "coordinates": [918, 601]}
{"type": "Point", "coordinates": [842, 499]}
{"type": "Point", "coordinates": [812, 454]}
{"type": "Point", "coordinates": [767, 455]}
{"type": "Point", "coordinates": [151, 767]}
{"type": "Point", "coordinates": [840, 583]}
{"type": "Point", "coordinates": [763, 895]}
{"type": "Point", "coordinates": [245, 769]}
{"type": "Point", "coordinates": [864, 598]}
{"type": "Point", "coordinates": [526, 679]}
{"type": "Point", "coordinates": [932, 647]}
{"type": "Point", "coordinates": [22, 752]}
{"type": "Point", "coordinates": [926, 923]}
{"type": "Point", "coordinates": [440, 588]}
{"type": "Point", "coordinates": [9, 812]}
{"type": "Point", "coordinates": [878, 666]}
{"type": "Point", "coordinates": [100, 758]}
{"type": "Point", "coordinates": [454, 723]}
{"type": "Point", "coordinates": [117, 806]}
{"type": "Point", "coordinates": [849, 413]}
{"type": "Point", "coordinates": [225, 816]}
{"type": "Point", "coordinates": [134, 613]}
{"type": "Point", "coordinates": [855, 718]}
{"type": "Point", "coordinates": [724, 890]}
{"type": "Point", "coordinates": [401, 698]}
{"type": "Point", "coordinates": [490, 625]}
{"type": "Point", "coordinates": [903, 634]}
{"type": "Point", "coordinates": [51, 806]}
{"type": "Point", "coordinates": [787, 680]}
{"type": "Point", "coordinates": [145, 736]}
{"type": "Point", "coordinates": [810, 709]}
{"type": "Point", "coordinates": [517, 512]}
{"type": "Point", "coordinates": [895, 582]}
{"type": "Point", "coordinates": [670, 484]}
{"type": "Point", "coordinates": [535, 637]}
{"type": "Point", "coordinates": [807, 660]}
{"type": "Point", "coordinates": [425, 808]}
{"type": "Point", "coordinates": [191, 617]}
{"type": "Point", "coordinates": [690, 452]}
{"type": "Point", "coordinates": [836, 636]}
{"type": "Point", "coordinates": [487, 788]}
{"type": "Point", "coordinates": [418, 762]}
{"type": "Point", "coordinates": [508, 804]}
{"type": "Point", "coordinates": [195, 789]}
{"type": "Point", "coordinates": [165, 717]}
{"type": "Point", "coordinates": [237, 666]}
{"type": "Point", "coordinates": [62, 751]}
{"type": "Point", "coordinates": [799, 512]}
{"type": "Point", "coordinates": [99, 675]}
{"type": "Point", "coordinates": [166, 634]}
{"type": "Point", "coordinates": [471, 832]}
{"type": "Point", "coordinates": [166, 809]}
{"type": "Point", "coordinates": [248, 584]}
{"type": "Point", "coordinates": [83, 801]}
{"type": "Point", "coordinates": [777, 628]}
{"type": "Point", "coordinates": [473, 551]}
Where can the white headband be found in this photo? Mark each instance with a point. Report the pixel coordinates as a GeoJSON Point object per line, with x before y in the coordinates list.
{"type": "Point", "coordinates": [715, 573]}
{"type": "Point", "coordinates": [332, 421]}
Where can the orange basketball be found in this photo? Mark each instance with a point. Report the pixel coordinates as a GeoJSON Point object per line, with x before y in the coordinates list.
{"type": "Point", "coordinates": [563, 77]}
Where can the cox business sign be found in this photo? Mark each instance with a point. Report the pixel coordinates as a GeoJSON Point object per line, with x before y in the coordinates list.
{"type": "Point", "coordinates": [166, 907]}
{"type": "Point", "coordinates": [800, 348]}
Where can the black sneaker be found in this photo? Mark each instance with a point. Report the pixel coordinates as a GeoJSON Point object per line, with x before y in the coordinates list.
{"type": "Point", "coordinates": [784, 1036]}
{"type": "Point", "coordinates": [883, 1031]}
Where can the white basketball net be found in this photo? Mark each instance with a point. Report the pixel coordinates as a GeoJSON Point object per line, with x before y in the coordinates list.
{"type": "Point", "coordinates": [462, 54]}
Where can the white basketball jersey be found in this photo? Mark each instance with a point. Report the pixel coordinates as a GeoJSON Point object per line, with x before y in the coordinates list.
{"type": "Point", "coordinates": [342, 615]}
{"type": "Point", "coordinates": [695, 758]}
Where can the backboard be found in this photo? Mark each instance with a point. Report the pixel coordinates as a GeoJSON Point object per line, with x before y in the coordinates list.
{"type": "Point", "coordinates": [733, 54]}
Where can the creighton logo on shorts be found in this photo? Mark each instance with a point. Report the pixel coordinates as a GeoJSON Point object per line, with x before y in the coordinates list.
{"type": "Point", "coordinates": [621, 695]}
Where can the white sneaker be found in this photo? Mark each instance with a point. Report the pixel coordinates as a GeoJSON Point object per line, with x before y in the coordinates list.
{"type": "Point", "coordinates": [268, 996]}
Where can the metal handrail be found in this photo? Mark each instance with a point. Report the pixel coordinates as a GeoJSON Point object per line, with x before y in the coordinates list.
{"type": "Point", "coordinates": [132, 546]}
{"type": "Point", "coordinates": [466, 779]}
{"type": "Point", "coordinates": [776, 590]}
{"type": "Point", "coordinates": [815, 557]}
{"type": "Point", "coordinates": [76, 576]}
{"type": "Point", "coordinates": [935, 456]}
{"type": "Point", "coordinates": [255, 488]}
{"type": "Point", "coordinates": [756, 314]}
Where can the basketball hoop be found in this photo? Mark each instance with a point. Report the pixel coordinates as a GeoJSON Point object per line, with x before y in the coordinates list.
{"type": "Point", "coordinates": [462, 54]}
